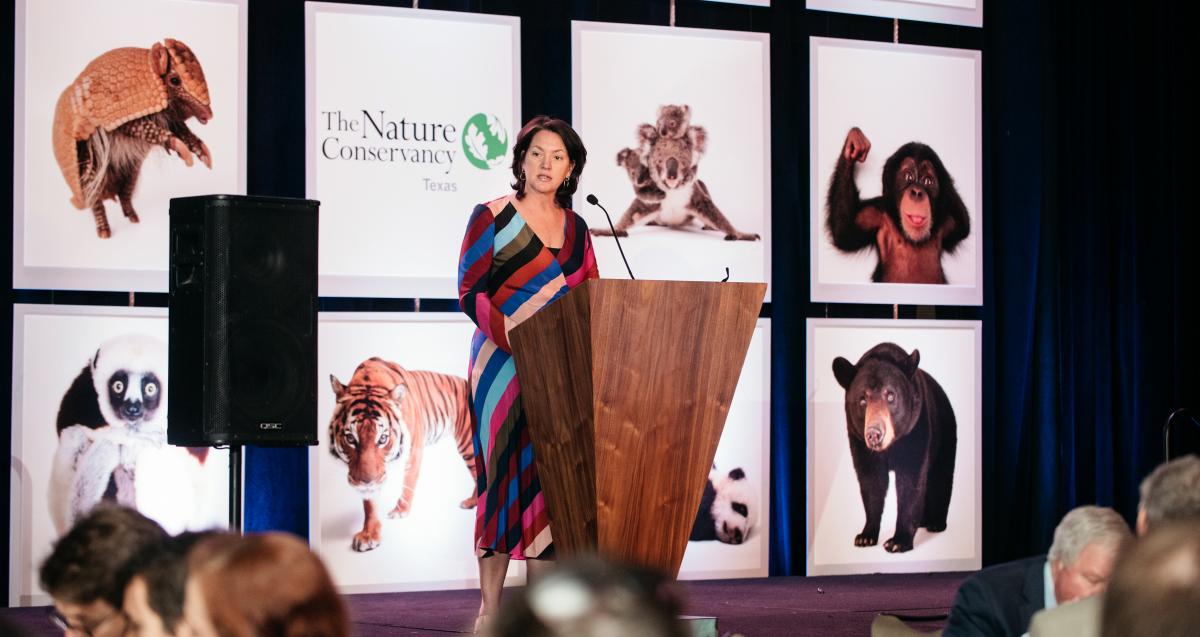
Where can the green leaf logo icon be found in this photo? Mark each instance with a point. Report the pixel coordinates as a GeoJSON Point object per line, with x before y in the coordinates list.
{"type": "Point", "coordinates": [484, 141]}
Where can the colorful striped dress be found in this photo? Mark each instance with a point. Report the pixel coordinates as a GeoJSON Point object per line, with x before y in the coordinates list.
{"type": "Point", "coordinates": [505, 274]}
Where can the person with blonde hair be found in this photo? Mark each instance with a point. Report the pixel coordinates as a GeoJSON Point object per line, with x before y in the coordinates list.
{"type": "Point", "coordinates": [260, 585]}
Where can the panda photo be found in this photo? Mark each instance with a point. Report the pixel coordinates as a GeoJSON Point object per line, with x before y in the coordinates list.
{"type": "Point", "coordinates": [728, 508]}
{"type": "Point", "coordinates": [112, 439]}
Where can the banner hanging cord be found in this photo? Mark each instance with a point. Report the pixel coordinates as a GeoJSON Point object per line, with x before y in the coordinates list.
{"type": "Point", "coordinates": [672, 19]}
{"type": "Point", "coordinates": [895, 30]}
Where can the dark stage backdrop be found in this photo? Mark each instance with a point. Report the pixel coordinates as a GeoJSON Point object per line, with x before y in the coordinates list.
{"type": "Point", "coordinates": [1093, 269]}
{"type": "Point", "coordinates": [1089, 337]}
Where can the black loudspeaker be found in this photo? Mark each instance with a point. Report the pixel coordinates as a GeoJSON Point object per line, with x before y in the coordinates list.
{"type": "Point", "coordinates": [243, 321]}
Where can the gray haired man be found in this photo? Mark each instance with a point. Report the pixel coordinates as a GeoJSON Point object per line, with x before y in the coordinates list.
{"type": "Point", "coordinates": [1171, 492]}
{"type": "Point", "coordinates": [1000, 600]}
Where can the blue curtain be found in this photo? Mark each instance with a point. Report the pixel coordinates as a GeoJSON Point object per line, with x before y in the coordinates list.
{"type": "Point", "coordinates": [1089, 324]}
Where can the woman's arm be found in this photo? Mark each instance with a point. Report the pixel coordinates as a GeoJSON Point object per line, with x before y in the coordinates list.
{"type": "Point", "coordinates": [474, 266]}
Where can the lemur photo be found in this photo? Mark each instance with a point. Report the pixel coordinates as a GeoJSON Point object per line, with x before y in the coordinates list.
{"type": "Point", "coordinates": [123, 114]}
{"type": "Point", "coordinates": [893, 445]}
{"type": "Point", "coordinates": [896, 185]}
{"type": "Point", "coordinates": [683, 171]}
{"type": "Point", "coordinates": [90, 406]}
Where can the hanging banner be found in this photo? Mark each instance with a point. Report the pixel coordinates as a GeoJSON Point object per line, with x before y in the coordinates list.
{"type": "Point", "coordinates": [894, 454]}
{"type": "Point", "coordinates": [89, 424]}
{"type": "Point", "coordinates": [896, 185]}
{"type": "Point", "coordinates": [411, 115]}
{"type": "Point", "coordinates": [680, 155]}
{"type": "Point", "coordinates": [120, 107]}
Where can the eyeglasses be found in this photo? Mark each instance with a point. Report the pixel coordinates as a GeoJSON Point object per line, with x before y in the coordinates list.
{"type": "Point", "coordinates": [63, 624]}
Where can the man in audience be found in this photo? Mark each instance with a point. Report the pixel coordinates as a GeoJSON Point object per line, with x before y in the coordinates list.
{"type": "Point", "coordinates": [1155, 589]}
{"type": "Point", "coordinates": [1170, 492]}
{"type": "Point", "coordinates": [1000, 600]}
{"type": "Point", "coordinates": [88, 569]}
{"type": "Point", "coordinates": [153, 601]}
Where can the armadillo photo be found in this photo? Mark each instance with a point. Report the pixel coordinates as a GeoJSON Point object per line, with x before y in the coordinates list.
{"type": "Point", "coordinates": [125, 103]}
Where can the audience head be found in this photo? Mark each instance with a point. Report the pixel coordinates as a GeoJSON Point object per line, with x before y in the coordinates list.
{"type": "Point", "coordinates": [1086, 544]}
{"type": "Point", "coordinates": [260, 585]}
{"type": "Point", "coordinates": [588, 597]}
{"type": "Point", "coordinates": [1155, 588]}
{"type": "Point", "coordinates": [154, 596]}
{"type": "Point", "coordinates": [1170, 492]}
{"type": "Point", "coordinates": [89, 567]}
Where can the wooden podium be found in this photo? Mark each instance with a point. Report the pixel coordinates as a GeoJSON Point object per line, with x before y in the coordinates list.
{"type": "Point", "coordinates": [626, 385]}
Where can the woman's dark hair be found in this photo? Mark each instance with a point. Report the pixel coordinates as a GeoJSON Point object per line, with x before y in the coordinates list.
{"type": "Point", "coordinates": [165, 576]}
{"type": "Point", "coordinates": [94, 559]}
{"type": "Point", "coordinates": [575, 152]}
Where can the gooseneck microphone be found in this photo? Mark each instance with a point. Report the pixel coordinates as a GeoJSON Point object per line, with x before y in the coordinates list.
{"type": "Point", "coordinates": [596, 202]}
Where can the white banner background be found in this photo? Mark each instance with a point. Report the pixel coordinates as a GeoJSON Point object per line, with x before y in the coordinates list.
{"type": "Point", "coordinates": [51, 344]}
{"type": "Point", "coordinates": [745, 443]}
{"type": "Point", "coordinates": [621, 75]}
{"type": "Point", "coordinates": [431, 548]}
{"type": "Point", "coordinates": [394, 228]}
{"type": "Point", "coordinates": [856, 84]}
{"type": "Point", "coordinates": [950, 353]}
{"type": "Point", "coordinates": [54, 244]}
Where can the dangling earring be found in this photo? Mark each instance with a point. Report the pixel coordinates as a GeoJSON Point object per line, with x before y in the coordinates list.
{"type": "Point", "coordinates": [566, 183]}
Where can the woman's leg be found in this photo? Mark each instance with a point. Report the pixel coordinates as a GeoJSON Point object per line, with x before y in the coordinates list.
{"type": "Point", "coordinates": [492, 570]}
{"type": "Point", "coordinates": [537, 569]}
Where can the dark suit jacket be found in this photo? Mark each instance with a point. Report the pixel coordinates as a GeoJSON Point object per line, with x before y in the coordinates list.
{"type": "Point", "coordinates": [999, 600]}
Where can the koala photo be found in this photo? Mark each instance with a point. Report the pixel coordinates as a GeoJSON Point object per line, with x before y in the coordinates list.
{"type": "Point", "coordinates": [728, 509]}
{"type": "Point", "coordinates": [662, 170]}
{"type": "Point", "coordinates": [112, 439]}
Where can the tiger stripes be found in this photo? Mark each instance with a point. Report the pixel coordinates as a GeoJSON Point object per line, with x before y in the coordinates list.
{"type": "Point", "coordinates": [388, 413]}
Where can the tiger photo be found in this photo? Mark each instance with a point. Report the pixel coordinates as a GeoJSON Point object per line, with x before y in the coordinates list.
{"type": "Point", "coordinates": [388, 413]}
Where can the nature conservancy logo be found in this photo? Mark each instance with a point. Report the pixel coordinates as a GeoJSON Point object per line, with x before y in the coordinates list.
{"type": "Point", "coordinates": [484, 141]}
{"type": "Point", "coordinates": [380, 136]}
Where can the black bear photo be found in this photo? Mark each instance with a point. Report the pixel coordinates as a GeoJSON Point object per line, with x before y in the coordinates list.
{"type": "Point", "coordinates": [898, 419]}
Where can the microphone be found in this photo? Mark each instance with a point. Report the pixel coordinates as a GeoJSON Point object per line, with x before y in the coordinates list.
{"type": "Point", "coordinates": [596, 202]}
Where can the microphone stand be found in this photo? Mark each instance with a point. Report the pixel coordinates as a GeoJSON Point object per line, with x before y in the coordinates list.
{"type": "Point", "coordinates": [596, 202]}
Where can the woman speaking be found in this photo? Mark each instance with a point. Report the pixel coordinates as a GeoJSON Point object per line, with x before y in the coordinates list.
{"type": "Point", "coordinates": [521, 252]}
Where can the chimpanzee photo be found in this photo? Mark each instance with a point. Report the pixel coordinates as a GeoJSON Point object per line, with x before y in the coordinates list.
{"type": "Point", "coordinates": [919, 216]}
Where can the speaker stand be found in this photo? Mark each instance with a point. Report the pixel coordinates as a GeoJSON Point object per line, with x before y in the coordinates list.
{"type": "Point", "coordinates": [235, 488]}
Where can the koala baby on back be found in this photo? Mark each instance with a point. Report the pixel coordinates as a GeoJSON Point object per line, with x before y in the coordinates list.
{"type": "Point", "coordinates": [662, 170]}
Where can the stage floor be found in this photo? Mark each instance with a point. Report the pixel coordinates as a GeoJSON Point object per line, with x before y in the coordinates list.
{"type": "Point", "coordinates": [843, 605]}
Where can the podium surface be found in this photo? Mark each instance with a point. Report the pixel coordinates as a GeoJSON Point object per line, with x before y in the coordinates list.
{"type": "Point", "coordinates": [626, 386]}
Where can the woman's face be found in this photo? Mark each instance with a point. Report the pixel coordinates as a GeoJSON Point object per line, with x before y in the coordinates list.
{"type": "Point", "coordinates": [546, 163]}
